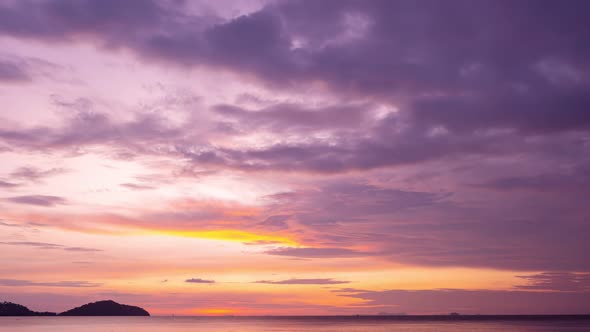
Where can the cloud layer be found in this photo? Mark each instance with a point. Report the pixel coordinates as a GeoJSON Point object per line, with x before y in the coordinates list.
{"type": "Point", "coordinates": [430, 135]}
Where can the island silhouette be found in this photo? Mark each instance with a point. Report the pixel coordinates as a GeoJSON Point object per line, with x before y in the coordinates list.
{"type": "Point", "coordinates": [112, 308]}
{"type": "Point", "coordinates": [13, 309]}
{"type": "Point", "coordinates": [99, 308]}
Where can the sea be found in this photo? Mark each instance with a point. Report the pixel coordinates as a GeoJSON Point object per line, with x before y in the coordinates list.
{"type": "Point", "coordinates": [284, 324]}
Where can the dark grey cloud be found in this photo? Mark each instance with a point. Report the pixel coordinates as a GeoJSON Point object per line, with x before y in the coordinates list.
{"type": "Point", "coordinates": [28, 283]}
{"type": "Point", "coordinates": [199, 281]}
{"type": "Point", "coordinates": [295, 281]}
{"type": "Point", "coordinates": [39, 200]}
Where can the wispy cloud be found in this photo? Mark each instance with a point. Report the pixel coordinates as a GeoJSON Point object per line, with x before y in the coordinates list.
{"type": "Point", "coordinates": [8, 185]}
{"type": "Point", "coordinates": [27, 283]}
{"type": "Point", "coordinates": [443, 301]}
{"type": "Point", "coordinates": [31, 173]}
{"type": "Point", "coordinates": [316, 252]}
{"type": "Point", "coordinates": [199, 281]}
{"type": "Point", "coordinates": [39, 200]}
{"type": "Point", "coordinates": [295, 281]}
{"type": "Point", "coordinates": [557, 281]}
{"type": "Point", "coordinates": [135, 186]}
{"type": "Point", "coordinates": [43, 245]}
{"type": "Point", "coordinates": [13, 72]}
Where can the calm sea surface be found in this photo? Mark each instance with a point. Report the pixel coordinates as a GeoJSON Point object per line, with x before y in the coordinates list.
{"type": "Point", "coordinates": [278, 324]}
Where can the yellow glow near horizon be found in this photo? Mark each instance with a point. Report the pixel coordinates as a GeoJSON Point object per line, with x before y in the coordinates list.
{"type": "Point", "coordinates": [214, 311]}
{"type": "Point", "coordinates": [228, 235]}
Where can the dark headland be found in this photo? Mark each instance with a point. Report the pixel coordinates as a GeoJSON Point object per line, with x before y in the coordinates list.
{"type": "Point", "coordinates": [13, 309]}
{"type": "Point", "coordinates": [100, 308]}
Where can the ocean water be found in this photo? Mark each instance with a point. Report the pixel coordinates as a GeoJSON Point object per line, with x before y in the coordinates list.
{"type": "Point", "coordinates": [278, 324]}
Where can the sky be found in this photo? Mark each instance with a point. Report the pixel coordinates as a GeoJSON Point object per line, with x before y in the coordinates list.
{"type": "Point", "coordinates": [329, 157]}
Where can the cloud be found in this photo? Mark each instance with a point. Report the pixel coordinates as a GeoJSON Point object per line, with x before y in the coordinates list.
{"type": "Point", "coordinates": [12, 72]}
{"type": "Point", "coordinates": [59, 20]}
{"type": "Point", "coordinates": [39, 200]}
{"type": "Point", "coordinates": [86, 128]}
{"type": "Point", "coordinates": [8, 185]}
{"type": "Point", "coordinates": [2, 223]}
{"type": "Point", "coordinates": [316, 252]}
{"type": "Point", "coordinates": [296, 281]}
{"type": "Point", "coordinates": [199, 281]}
{"type": "Point", "coordinates": [353, 47]}
{"type": "Point", "coordinates": [444, 301]}
{"type": "Point", "coordinates": [276, 222]}
{"type": "Point", "coordinates": [575, 179]}
{"type": "Point", "coordinates": [135, 186]}
{"type": "Point", "coordinates": [30, 173]}
{"type": "Point", "coordinates": [557, 281]}
{"type": "Point", "coordinates": [295, 118]}
{"type": "Point", "coordinates": [445, 122]}
{"type": "Point", "coordinates": [44, 245]}
{"type": "Point", "coordinates": [438, 228]}
{"type": "Point", "coordinates": [27, 283]}
{"type": "Point", "coordinates": [344, 154]}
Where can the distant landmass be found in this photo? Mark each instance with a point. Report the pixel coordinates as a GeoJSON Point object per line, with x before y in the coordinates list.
{"type": "Point", "coordinates": [106, 308]}
{"type": "Point", "coordinates": [13, 309]}
{"type": "Point", "coordinates": [100, 308]}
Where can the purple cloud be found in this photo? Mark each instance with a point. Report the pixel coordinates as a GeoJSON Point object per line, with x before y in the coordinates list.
{"type": "Point", "coordinates": [30, 173]}
{"type": "Point", "coordinates": [39, 200]}
{"type": "Point", "coordinates": [276, 222]}
{"type": "Point", "coordinates": [44, 245]}
{"type": "Point", "coordinates": [480, 161]}
{"type": "Point", "coordinates": [372, 47]}
{"type": "Point", "coordinates": [135, 186]}
{"type": "Point", "coordinates": [444, 301]}
{"type": "Point", "coordinates": [199, 281]}
{"type": "Point", "coordinates": [316, 252]}
{"type": "Point", "coordinates": [11, 72]}
{"type": "Point", "coordinates": [295, 118]}
{"type": "Point", "coordinates": [557, 281]}
{"type": "Point", "coordinates": [27, 283]}
{"type": "Point", "coordinates": [439, 229]}
{"type": "Point", "coordinates": [8, 185]}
